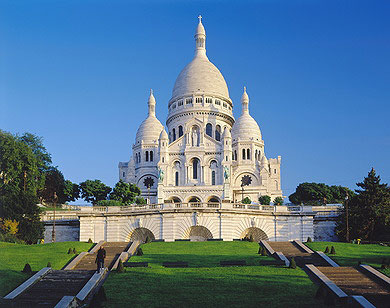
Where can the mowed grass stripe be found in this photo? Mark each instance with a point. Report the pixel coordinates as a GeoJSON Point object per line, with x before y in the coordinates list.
{"type": "Point", "coordinates": [199, 254]}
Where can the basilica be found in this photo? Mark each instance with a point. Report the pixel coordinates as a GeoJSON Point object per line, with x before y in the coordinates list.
{"type": "Point", "coordinates": [204, 154]}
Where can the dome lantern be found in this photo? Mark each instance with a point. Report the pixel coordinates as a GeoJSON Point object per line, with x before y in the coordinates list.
{"type": "Point", "coordinates": [151, 104]}
{"type": "Point", "coordinates": [245, 102]}
{"type": "Point", "coordinates": [200, 39]}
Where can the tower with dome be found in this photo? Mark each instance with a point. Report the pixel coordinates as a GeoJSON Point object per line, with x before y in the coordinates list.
{"type": "Point", "coordinates": [203, 154]}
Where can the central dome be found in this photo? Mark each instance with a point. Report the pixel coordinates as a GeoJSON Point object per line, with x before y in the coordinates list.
{"type": "Point", "coordinates": [200, 76]}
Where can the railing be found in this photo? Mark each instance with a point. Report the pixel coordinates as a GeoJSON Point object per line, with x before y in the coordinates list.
{"type": "Point", "coordinates": [319, 211]}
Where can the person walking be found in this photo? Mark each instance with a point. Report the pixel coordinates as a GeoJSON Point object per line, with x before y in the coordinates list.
{"type": "Point", "coordinates": [101, 255]}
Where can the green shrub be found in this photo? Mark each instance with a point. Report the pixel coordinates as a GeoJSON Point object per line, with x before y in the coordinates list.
{"type": "Point", "coordinates": [140, 201]}
{"type": "Point", "coordinates": [309, 240]}
{"type": "Point", "coordinates": [27, 269]}
{"type": "Point", "coordinates": [264, 252]}
{"type": "Point", "coordinates": [89, 241]}
{"type": "Point", "coordinates": [293, 264]}
{"type": "Point", "coordinates": [265, 200]}
{"type": "Point", "coordinates": [246, 200]}
{"type": "Point", "coordinates": [109, 203]}
{"type": "Point", "coordinates": [278, 201]}
{"type": "Point", "coordinates": [332, 251]}
{"type": "Point", "coordinates": [74, 250]}
{"type": "Point", "coordinates": [70, 251]}
{"type": "Point", "coordinates": [10, 238]}
{"type": "Point", "coordinates": [120, 268]}
{"type": "Point", "coordinates": [139, 252]}
{"type": "Point", "coordinates": [48, 264]}
{"type": "Point", "coordinates": [326, 249]}
{"type": "Point", "coordinates": [260, 251]}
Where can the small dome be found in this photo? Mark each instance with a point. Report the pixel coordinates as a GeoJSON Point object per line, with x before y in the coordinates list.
{"type": "Point", "coordinates": [200, 76]}
{"type": "Point", "coordinates": [200, 29]}
{"type": "Point", "coordinates": [226, 133]}
{"type": "Point", "coordinates": [163, 135]}
{"type": "Point", "coordinates": [246, 128]}
{"type": "Point", "coordinates": [149, 130]}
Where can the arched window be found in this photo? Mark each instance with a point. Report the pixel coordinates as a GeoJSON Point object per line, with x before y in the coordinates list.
{"type": "Point", "coordinates": [139, 157]}
{"type": "Point", "coordinates": [243, 153]}
{"type": "Point", "coordinates": [235, 155]}
{"type": "Point", "coordinates": [209, 130]}
{"type": "Point", "coordinates": [248, 156]}
{"type": "Point", "coordinates": [195, 164]}
{"type": "Point", "coordinates": [213, 177]}
{"type": "Point", "coordinates": [173, 135]}
{"type": "Point", "coordinates": [256, 155]}
{"type": "Point", "coordinates": [147, 156]}
{"type": "Point", "coordinates": [218, 133]}
{"type": "Point", "coordinates": [180, 131]}
{"type": "Point", "coordinates": [151, 155]}
{"type": "Point", "coordinates": [176, 178]}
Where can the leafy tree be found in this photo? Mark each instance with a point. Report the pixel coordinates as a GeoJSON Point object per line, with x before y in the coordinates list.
{"type": "Point", "coordinates": [71, 191]}
{"type": "Point", "coordinates": [9, 226]}
{"type": "Point", "coordinates": [265, 200]}
{"type": "Point", "coordinates": [319, 193]}
{"type": "Point", "coordinates": [368, 211]}
{"type": "Point", "coordinates": [140, 200]}
{"type": "Point", "coordinates": [125, 192]}
{"type": "Point", "coordinates": [94, 191]}
{"type": "Point", "coordinates": [22, 207]}
{"type": "Point", "coordinates": [246, 200]}
{"type": "Point", "coordinates": [18, 166]}
{"type": "Point", "coordinates": [54, 184]}
{"type": "Point", "coordinates": [278, 201]}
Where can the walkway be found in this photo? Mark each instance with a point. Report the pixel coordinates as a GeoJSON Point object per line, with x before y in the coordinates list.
{"type": "Point", "coordinates": [75, 286]}
{"type": "Point", "coordinates": [302, 257]}
{"type": "Point", "coordinates": [351, 280]}
{"type": "Point", "coordinates": [354, 282]}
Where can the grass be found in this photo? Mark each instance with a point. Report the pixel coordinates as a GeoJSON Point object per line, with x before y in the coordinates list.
{"type": "Point", "coordinates": [350, 254]}
{"type": "Point", "coordinates": [205, 283]}
{"type": "Point", "coordinates": [13, 257]}
{"type": "Point", "coordinates": [199, 254]}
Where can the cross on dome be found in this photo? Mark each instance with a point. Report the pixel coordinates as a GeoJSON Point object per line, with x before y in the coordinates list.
{"type": "Point", "coordinates": [200, 18]}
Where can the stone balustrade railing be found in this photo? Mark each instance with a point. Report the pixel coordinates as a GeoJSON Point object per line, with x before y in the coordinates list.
{"type": "Point", "coordinates": [320, 211]}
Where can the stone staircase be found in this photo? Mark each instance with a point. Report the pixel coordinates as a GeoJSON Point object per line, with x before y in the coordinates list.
{"type": "Point", "coordinates": [113, 250]}
{"type": "Point", "coordinates": [50, 289]}
{"type": "Point", "coordinates": [302, 257]}
{"type": "Point", "coordinates": [353, 282]}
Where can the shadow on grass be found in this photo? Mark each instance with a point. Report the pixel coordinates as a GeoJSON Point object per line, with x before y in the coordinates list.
{"type": "Point", "coordinates": [211, 287]}
{"type": "Point", "coordinates": [9, 280]}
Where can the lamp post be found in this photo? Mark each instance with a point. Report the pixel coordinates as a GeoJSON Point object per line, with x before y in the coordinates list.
{"type": "Point", "coordinates": [53, 232]}
{"type": "Point", "coordinates": [346, 217]}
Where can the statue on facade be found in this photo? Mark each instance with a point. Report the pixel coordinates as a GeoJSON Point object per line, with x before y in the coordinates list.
{"type": "Point", "coordinates": [160, 175]}
{"type": "Point", "coordinates": [195, 137]}
{"type": "Point", "coordinates": [226, 172]}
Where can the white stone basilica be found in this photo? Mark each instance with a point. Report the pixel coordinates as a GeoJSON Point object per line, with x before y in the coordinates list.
{"type": "Point", "coordinates": [207, 155]}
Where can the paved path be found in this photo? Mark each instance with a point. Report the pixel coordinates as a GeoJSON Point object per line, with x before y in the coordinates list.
{"type": "Point", "coordinates": [302, 257]}
{"type": "Point", "coordinates": [113, 250]}
{"type": "Point", "coordinates": [48, 290]}
{"type": "Point", "coordinates": [354, 282]}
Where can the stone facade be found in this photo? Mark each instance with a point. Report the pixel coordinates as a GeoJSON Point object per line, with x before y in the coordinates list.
{"type": "Point", "coordinates": [205, 155]}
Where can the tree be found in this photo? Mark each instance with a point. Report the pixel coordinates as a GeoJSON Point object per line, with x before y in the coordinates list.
{"type": "Point", "coordinates": [319, 194]}
{"type": "Point", "coordinates": [94, 191]}
{"type": "Point", "coordinates": [54, 183]}
{"type": "Point", "coordinates": [265, 200]}
{"type": "Point", "coordinates": [278, 201]}
{"type": "Point", "coordinates": [125, 192]}
{"type": "Point", "coordinates": [71, 191]}
{"type": "Point", "coordinates": [368, 211]}
{"type": "Point", "coordinates": [140, 201]}
{"type": "Point", "coordinates": [246, 200]}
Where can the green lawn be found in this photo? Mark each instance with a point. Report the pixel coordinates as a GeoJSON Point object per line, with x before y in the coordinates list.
{"type": "Point", "coordinates": [349, 254]}
{"type": "Point", "coordinates": [205, 284]}
{"type": "Point", "coordinates": [199, 254]}
{"type": "Point", "coordinates": [13, 257]}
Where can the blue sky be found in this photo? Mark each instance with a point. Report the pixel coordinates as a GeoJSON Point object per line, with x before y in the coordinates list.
{"type": "Point", "coordinates": [78, 73]}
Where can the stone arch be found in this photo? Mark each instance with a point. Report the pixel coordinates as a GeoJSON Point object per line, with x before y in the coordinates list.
{"type": "Point", "coordinates": [141, 234]}
{"type": "Point", "coordinates": [140, 182]}
{"type": "Point", "coordinates": [256, 233]}
{"type": "Point", "coordinates": [198, 234]}
{"type": "Point", "coordinates": [194, 199]}
{"type": "Point", "coordinates": [213, 199]}
{"type": "Point", "coordinates": [255, 179]}
{"type": "Point", "coordinates": [175, 199]}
